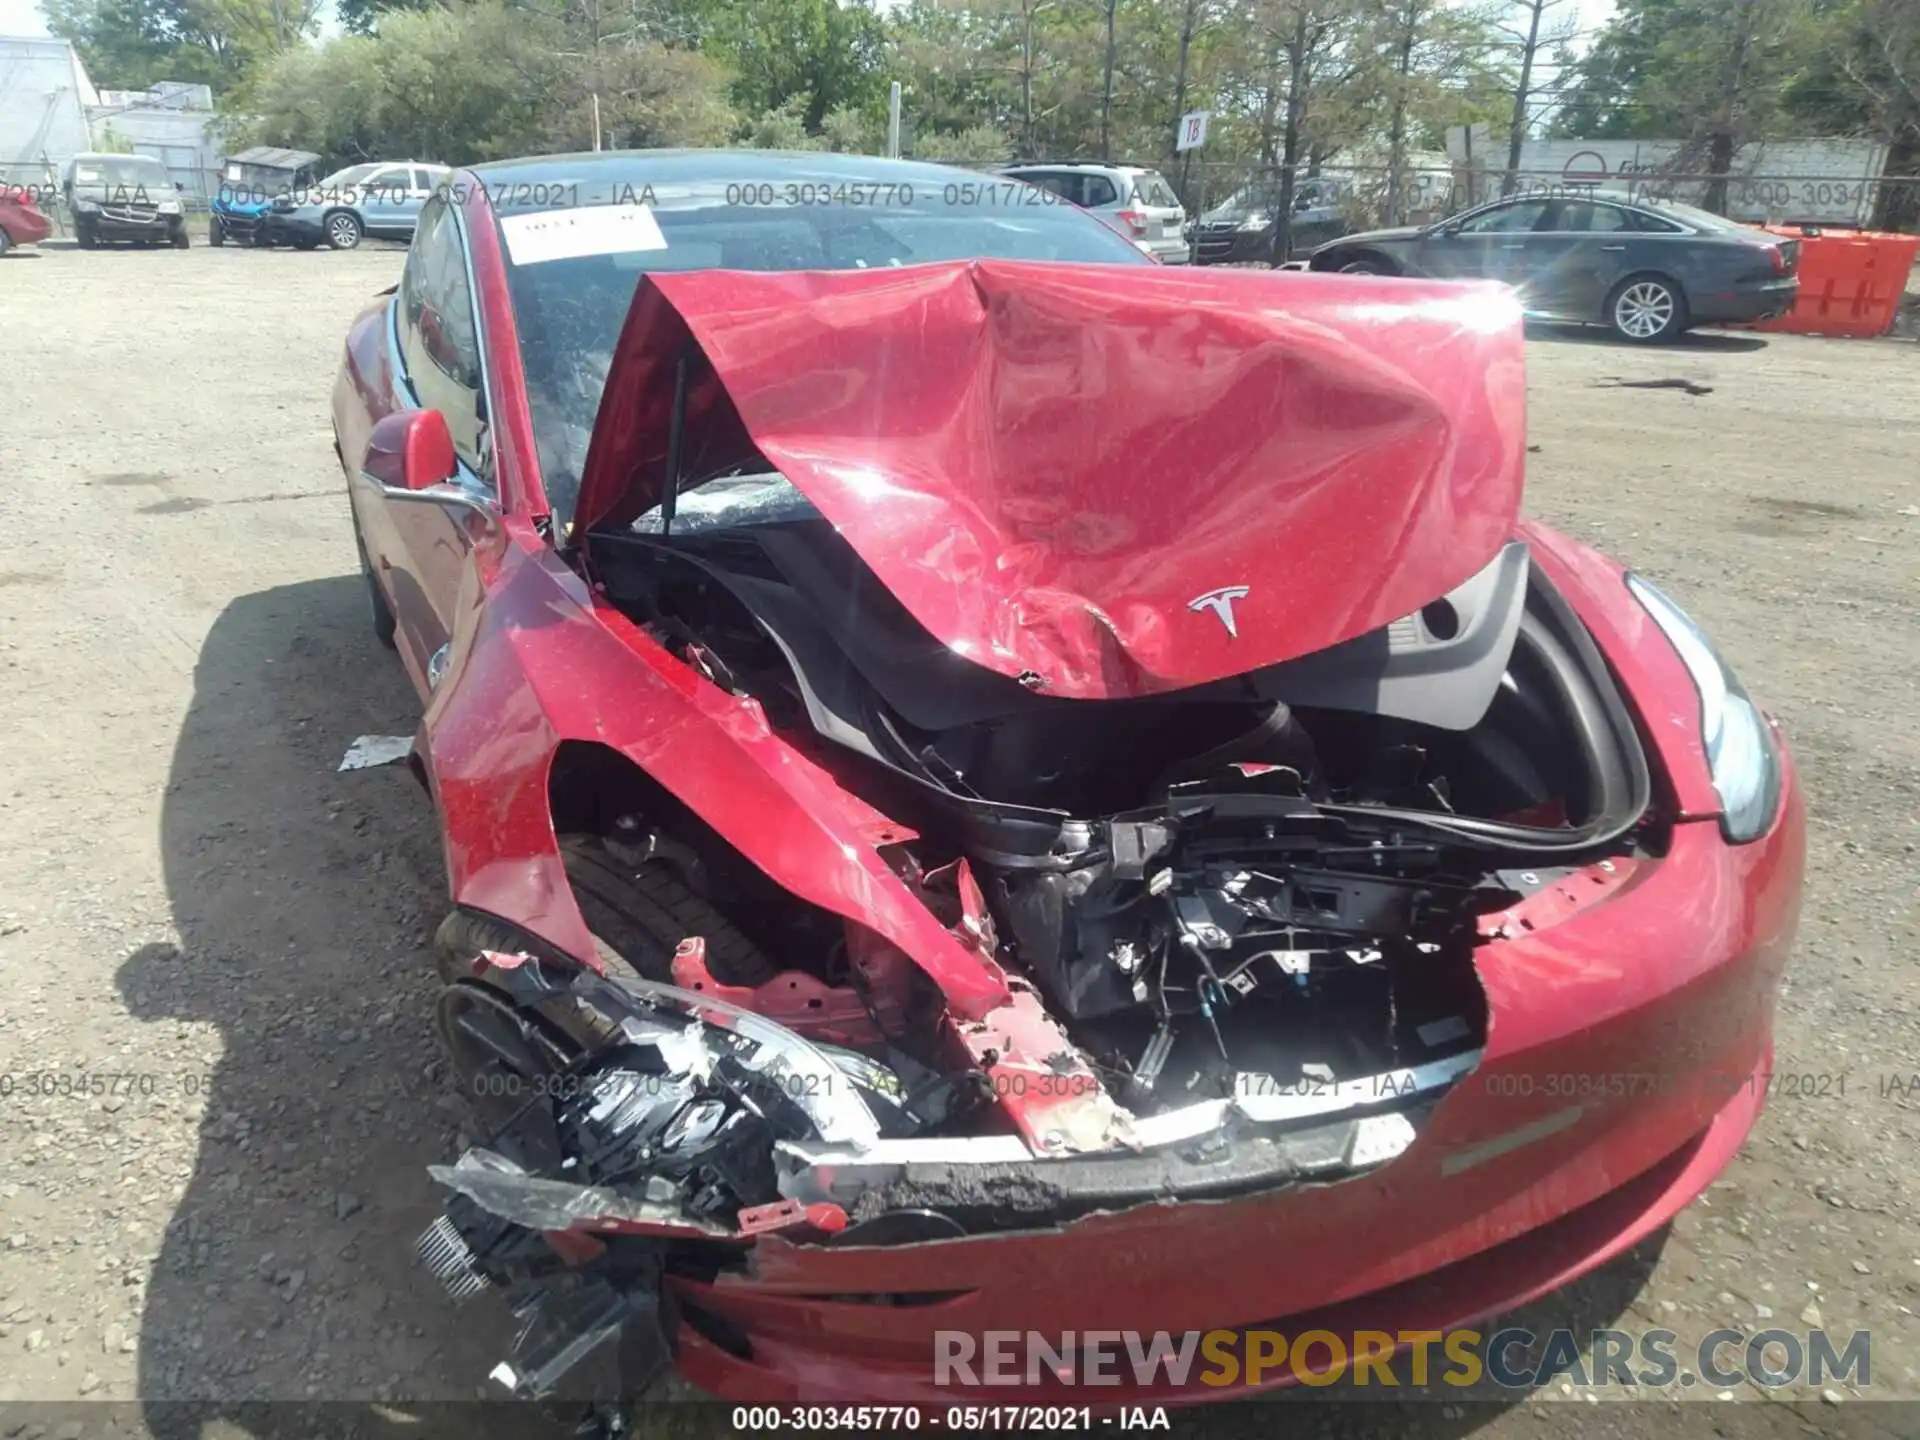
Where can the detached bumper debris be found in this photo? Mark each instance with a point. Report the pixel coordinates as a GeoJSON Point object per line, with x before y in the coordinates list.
{"type": "Point", "coordinates": [371, 750]}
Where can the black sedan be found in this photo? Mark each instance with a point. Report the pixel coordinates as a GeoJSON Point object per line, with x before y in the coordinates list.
{"type": "Point", "coordinates": [1649, 269]}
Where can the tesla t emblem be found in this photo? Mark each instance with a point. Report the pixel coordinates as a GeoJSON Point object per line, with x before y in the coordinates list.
{"type": "Point", "coordinates": [1220, 602]}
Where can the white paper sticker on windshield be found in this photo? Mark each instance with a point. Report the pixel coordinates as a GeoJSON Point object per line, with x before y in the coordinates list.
{"type": "Point", "coordinates": [589, 230]}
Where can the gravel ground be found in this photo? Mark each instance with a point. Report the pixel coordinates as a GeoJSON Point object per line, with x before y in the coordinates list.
{"type": "Point", "coordinates": [196, 908]}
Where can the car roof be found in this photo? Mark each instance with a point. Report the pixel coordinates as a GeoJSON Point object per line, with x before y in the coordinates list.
{"type": "Point", "coordinates": [1076, 165]}
{"type": "Point", "coordinates": [274, 157]}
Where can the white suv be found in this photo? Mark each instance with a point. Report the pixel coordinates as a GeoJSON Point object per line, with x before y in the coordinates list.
{"type": "Point", "coordinates": [1135, 201]}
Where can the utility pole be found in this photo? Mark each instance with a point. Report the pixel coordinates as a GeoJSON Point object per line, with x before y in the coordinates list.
{"type": "Point", "coordinates": [1106, 93]}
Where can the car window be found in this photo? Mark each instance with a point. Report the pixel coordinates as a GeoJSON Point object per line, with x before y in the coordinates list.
{"type": "Point", "coordinates": [1505, 219]}
{"type": "Point", "coordinates": [134, 175]}
{"type": "Point", "coordinates": [1653, 224]}
{"type": "Point", "coordinates": [569, 311]}
{"type": "Point", "coordinates": [1063, 183]}
{"type": "Point", "coordinates": [1583, 216]}
{"type": "Point", "coordinates": [1155, 190]}
{"type": "Point", "coordinates": [1098, 190]}
{"type": "Point", "coordinates": [424, 180]}
{"type": "Point", "coordinates": [1700, 219]}
{"type": "Point", "coordinates": [352, 175]}
{"type": "Point", "coordinates": [389, 182]}
{"type": "Point", "coordinates": [438, 338]}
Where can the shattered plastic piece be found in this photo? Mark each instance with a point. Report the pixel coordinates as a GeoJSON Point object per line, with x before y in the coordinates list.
{"type": "Point", "coordinates": [1379, 1138]}
{"type": "Point", "coordinates": [808, 1077]}
{"type": "Point", "coordinates": [528, 1200]}
{"type": "Point", "coordinates": [560, 1329]}
{"type": "Point", "coordinates": [371, 750]}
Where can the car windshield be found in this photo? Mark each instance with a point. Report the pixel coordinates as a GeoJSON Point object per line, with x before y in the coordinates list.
{"type": "Point", "coordinates": [1252, 200]}
{"type": "Point", "coordinates": [569, 311]}
{"type": "Point", "coordinates": [352, 175]}
{"type": "Point", "coordinates": [1693, 215]}
{"type": "Point", "coordinates": [131, 173]}
{"type": "Point", "coordinates": [254, 181]}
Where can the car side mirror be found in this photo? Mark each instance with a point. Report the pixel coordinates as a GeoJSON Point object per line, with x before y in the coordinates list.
{"type": "Point", "coordinates": [410, 450]}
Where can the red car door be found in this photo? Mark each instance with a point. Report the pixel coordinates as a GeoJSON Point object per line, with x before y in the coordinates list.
{"type": "Point", "coordinates": [419, 544]}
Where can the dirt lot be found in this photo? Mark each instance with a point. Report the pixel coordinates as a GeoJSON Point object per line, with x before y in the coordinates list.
{"type": "Point", "coordinates": [190, 896]}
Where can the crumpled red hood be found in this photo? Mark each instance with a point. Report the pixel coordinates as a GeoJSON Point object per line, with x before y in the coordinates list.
{"type": "Point", "coordinates": [1052, 465]}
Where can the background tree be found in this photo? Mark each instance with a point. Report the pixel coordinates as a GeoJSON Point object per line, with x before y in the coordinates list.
{"type": "Point", "coordinates": [1865, 79]}
{"type": "Point", "coordinates": [1533, 27]}
{"type": "Point", "coordinates": [130, 44]}
{"type": "Point", "coordinates": [1714, 74]}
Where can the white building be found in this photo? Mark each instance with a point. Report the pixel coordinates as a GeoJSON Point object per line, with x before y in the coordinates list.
{"type": "Point", "coordinates": [172, 122]}
{"type": "Point", "coordinates": [44, 95]}
{"type": "Point", "coordinates": [50, 112]}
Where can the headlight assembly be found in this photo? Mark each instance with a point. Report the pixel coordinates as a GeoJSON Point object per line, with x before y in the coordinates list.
{"type": "Point", "coordinates": [1742, 754]}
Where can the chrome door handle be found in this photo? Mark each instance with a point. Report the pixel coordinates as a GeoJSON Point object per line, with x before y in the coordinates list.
{"type": "Point", "coordinates": [1613, 247]}
{"type": "Point", "coordinates": [1520, 246]}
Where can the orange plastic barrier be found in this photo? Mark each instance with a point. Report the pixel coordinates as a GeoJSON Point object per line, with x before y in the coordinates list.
{"type": "Point", "coordinates": [1851, 281]}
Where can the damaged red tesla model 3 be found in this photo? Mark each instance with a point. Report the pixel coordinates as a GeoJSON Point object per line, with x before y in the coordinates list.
{"type": "Point", "coordinates": [991, 785]}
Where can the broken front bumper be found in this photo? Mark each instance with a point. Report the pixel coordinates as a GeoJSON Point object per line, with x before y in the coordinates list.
{"type": "Point", "coordinates": [1629, 1041]}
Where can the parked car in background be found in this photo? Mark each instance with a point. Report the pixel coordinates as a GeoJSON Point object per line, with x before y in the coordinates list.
{"type": "Point", "coordinates": [1136, 202]}
{"type": "Point", "coordinates": [1649, 269]}
{"type": "Point", "coordinates": [382, 198]}
{"type": "Point", "coordinates": [1239, 229]}
{"type": "Point", "coordinates": [22, 222]}
{"type": "Point", "coordinates": [249, 184]}
{"type": "Point", "coordinates": [123, 198]}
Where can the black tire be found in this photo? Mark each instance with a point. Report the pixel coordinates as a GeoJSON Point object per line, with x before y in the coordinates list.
{"type": "Point", "coordinates": [343, 230]}
{"type": "Point", "coordinates": [181, 240]}
{"type": "Point", "coordinates": [639, 915]}
{"type": "Point", "coordinates": [215, 234]}
{"type": "Point", "coordinates": [6, 242]}
{"type": "Point", "coordinates": [86, 235]}
{"type": "Point", "coordinates": [1366, 265]}
{"type": "Point", "coordinates": [1647, 310]}
{"type": "Point", "coordinates": [497, 1037]}
{"type": "Point", "coordinates": [384, 625]}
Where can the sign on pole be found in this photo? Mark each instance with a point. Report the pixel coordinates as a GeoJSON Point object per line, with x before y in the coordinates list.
{"type": "Point", "coordinates": [1193, 130]}
{"type": "Point", "coordinates": [1467, 143]}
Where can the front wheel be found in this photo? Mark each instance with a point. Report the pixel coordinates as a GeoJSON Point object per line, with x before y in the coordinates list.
{"type": "Point", "coordinates": [1365, 265]}
{"type": "Point", "coordinates": [181, 241]}
{"type": "Point", "coordinates": [1647, 309]}
{"type": "Point", "coordinates": [639, 912]}
{"type": "Point", "coordinates": [215, 235]}
{"type": "Point", "coordinates": [87, 236]}
{"type": "Point", "coordinates": [344, 230]}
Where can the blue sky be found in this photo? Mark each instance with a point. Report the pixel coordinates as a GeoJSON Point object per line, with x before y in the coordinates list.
{"type": "Point", "coordinates": [22, 17]}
